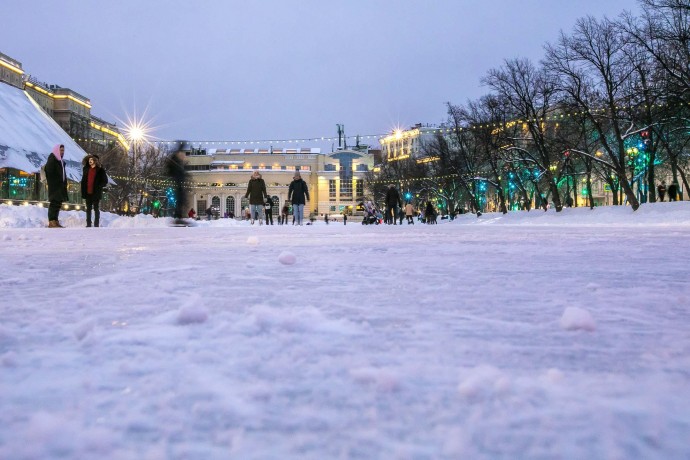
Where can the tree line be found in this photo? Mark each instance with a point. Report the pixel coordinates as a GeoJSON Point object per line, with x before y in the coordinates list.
{"type": "Point", "coordinates": [609, 102]}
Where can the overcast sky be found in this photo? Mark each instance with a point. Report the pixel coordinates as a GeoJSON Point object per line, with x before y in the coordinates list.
{"type": "Point", "coordinates": [280, 69]}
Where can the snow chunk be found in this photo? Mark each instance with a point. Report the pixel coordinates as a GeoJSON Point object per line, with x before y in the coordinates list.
{"type": "Point", "coordinates": [6, 237]}
{"type": "Point", "coordinates": [253, 241]}
{"type": "Point", "coordinates": [191, 315]}
{"type": "Point", "coordinates": [287, 258]}
{"type": "Point", "coordinates": [483, 381]}
{"type": "Point", "coordinates": [575, 318]}
{"type": "Point", "coordinates": [9, 359]}
{"type": "Point", "coordinates": [83, 329]}
{"type": "Point", "coordinates": [382, 379]}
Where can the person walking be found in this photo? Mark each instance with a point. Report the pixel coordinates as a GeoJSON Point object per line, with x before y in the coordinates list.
{"type": "Point", "coordinates": [93, 180]}
{"type": "Point", "coordinates": [430, 213]}
{"type": "Point", "coordinates": [56, 177]}
{"type": "Point", "coordinates": [344, 219]}
{"type": "Point", "coordinates": [409, 213]}
{"type": "Point", "coordinates": [256, 192]}
{"type": "Point", "coordinates": [393, 201]}
{"type": "Point", "coordinates": [174, 168]}
{"type": "Point", "coordinates": [284, 213]}
{"type": "Point", "coordinates": [269, 210]}
{"type": "Point", "coordinates": [661, 190]}
{"type": "Point", "coordinates": [673, 191]}
{"type": "Point", "coordinates": [298, 195]}
{"type": "Point", "coordinates": [191, 213]}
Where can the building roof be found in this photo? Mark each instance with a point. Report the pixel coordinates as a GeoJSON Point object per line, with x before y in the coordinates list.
{"type": "Point", "coordinates": [28, 134]}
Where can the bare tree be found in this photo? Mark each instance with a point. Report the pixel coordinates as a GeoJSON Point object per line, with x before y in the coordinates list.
{"type": "Point", "coordinates": [593, 71]}
{"type": "Point", "coordinates": [530, 94]}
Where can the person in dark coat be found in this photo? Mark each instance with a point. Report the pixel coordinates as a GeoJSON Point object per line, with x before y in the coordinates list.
{"type": "Point", "coordinates": [256, 192]}
{"type": "Point", "coordinates": [56, 178]}
{"type": "Point", "coordinates": [269, 210]}
{"type": "Point", "coordinates": [661, 190]}
{"type": "Point", "coordinates": [430, 213]}
{"type": "Point", "coordinates": [284, 214]}
{"type": "Point", "coordinates": [298, 195]}
{"type": "Point", "coordinates": [673, 192]}
{"type": "Point", "coordinates": [393, 202]}
{"type": "Point", "coordinates": [93, 180]}
{"type": "Point", "coordinates": [174, 168]}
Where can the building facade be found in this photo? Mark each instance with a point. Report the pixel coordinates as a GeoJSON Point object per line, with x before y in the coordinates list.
{"type": "Point", "coordinates": [219, 177]}
{"type": "Point", "coordinates": [403, 144]}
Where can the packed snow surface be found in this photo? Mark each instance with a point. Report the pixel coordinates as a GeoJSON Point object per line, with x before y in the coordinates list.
{"type": "Point", "coordinates": [535, 335]}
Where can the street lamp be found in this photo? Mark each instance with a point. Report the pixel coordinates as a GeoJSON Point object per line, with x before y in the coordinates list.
{"type": "Point", "coordinates": [137, 132]}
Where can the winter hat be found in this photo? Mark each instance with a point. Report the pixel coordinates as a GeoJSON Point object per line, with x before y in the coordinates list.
{"type": "Point", "coordinates": [56, 151]}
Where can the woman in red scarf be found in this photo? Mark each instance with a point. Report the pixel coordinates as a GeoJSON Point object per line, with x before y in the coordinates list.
{"type": "Point", "coordinates": [93, 180]}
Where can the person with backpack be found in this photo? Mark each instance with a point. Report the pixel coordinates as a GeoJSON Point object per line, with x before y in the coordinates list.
{"type": "Point", "coordinates": [269, 210]}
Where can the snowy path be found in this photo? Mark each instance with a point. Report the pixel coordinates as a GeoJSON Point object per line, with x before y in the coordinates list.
{"type": "Point", "coordinates": [379, 342]}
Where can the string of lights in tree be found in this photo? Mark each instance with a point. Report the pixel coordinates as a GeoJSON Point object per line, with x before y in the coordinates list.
{"type": "Point", "coordinates": [304, 140]}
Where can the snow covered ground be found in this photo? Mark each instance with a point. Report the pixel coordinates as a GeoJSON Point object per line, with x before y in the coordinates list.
{"type": "Point", "coordinates": [532, 335]}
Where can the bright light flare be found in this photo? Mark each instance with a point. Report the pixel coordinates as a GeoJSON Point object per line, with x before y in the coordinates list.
{"type": "Point", "coordinates": [136, 133]}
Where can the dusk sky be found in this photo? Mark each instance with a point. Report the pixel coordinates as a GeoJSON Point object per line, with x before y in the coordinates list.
{"type": "Point", "coordinates": [265, 70]}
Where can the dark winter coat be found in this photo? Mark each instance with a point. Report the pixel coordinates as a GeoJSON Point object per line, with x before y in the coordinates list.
{"type": "Point", "coordinates": [256, 191]}
{"type": "Point", "coordinates": [56, 177]}
{"type": "Point", "coordinates": [269, 204]}
{"type": "Point", "coordinates": [174, 169]}
{"type": "Point", "coordinates": [298, 191]}
{"type": "Point", "coordinates": [393, 198]}
{"type": "Point", "coordinates": [98, 184]}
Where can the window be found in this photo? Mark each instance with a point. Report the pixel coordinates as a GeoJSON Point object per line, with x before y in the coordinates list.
{"type": "Point", "coordinates": [359, 188]}
{"type": "Point", "coordinates": [346, 189]}
{"type": "Point", "coordinates": [329, 167]}
{"type": "Point", "coordinates": [230, 206]}
{"type": "Point", "coordinates": [331, 188]}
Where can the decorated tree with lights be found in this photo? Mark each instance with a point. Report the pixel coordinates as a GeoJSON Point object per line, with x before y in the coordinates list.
{"type": "Point", "coordinates": [529, 93]}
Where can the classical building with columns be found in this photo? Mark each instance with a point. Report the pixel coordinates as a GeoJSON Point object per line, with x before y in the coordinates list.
{"type": "Point", "coordinates": [219, 177]}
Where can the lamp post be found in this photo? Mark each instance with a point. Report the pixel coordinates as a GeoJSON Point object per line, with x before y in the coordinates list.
{"type": "Point", "coordinates": [136, 133]}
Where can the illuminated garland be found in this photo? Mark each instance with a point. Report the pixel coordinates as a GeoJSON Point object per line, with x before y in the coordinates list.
{"type": "Point", "coordinates": [380, 137]}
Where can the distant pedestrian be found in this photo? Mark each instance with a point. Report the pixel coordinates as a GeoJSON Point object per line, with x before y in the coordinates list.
{"type": "Point", "coordinates": [673, 191]}
{"type": "Point", "coordinates": [56, 177]}
{"type": "Point", "coordinates": [661, 190]}
{"type": "Point", "coordinates": [93, 180]}
{"type": "Point", "coordinates": [284, 213]}
{"type": "Point", "coordinates": [344, 219]}
{"type": "Point", "coordinates": [325, 218]}
{"type": "Point", "coordinates": [268, 207]}
{"type": "Point", "coordinates": [298, 195]}
{"type": "Point", "coordinates": [209, 213]}
{"type": "Point", "coordinates": [430, 213]}
{"type": "Point", "coordinates": [393, 201]}
{"type": "Point", "coordinates": [191, 214]}
{"type": "Point", "coordinates": [256, 192]}
{"type": "Point", "coordinates": [409, 213]}
{"type": "Point", "coordinates": [174, 168]}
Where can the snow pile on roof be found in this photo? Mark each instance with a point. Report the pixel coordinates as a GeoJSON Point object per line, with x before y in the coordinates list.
{"type": "Point", "coordinates": [28, 134]}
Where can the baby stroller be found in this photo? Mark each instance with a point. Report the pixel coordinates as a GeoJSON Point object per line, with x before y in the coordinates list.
{"type": "Point", "coordinates": [372, 216]}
